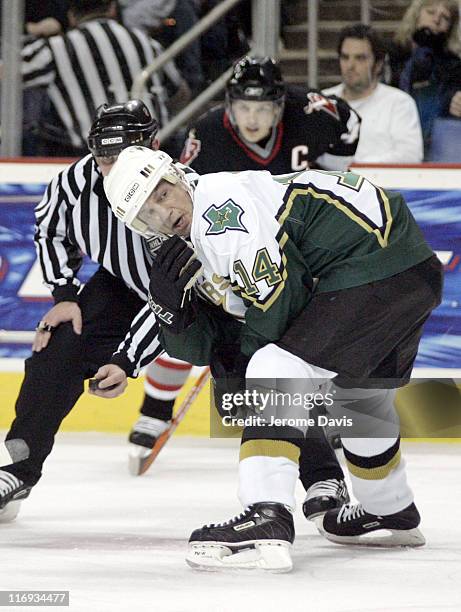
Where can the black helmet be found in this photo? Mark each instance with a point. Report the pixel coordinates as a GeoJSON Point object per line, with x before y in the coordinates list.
{"type": "Point", "coordinates": [121, 125]}
{"type": "Point", "coordinates": [256, 78]}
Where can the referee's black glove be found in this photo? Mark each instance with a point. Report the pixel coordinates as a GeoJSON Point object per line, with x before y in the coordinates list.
{"type": "Point", "coordinates": [174, 272]}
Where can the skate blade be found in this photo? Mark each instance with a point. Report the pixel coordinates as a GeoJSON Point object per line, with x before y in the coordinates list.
{"type": "Point", "coordinates": [381, 538]}
{"type": "Point", "coordinates": [271, 555]}
{"type": "Point", "coordinates": [10, 512]}
{"type": "Point", "coordinates": [138, 456]}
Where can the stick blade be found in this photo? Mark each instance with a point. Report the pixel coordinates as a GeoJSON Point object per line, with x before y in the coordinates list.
{"type": "Point", "coordinates": [142, 464]}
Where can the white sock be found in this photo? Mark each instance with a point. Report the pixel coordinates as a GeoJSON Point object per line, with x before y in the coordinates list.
{"type": "Point", "coordinates": [385, 495]}
{"type": "Point", "coordinates": [267, 479]}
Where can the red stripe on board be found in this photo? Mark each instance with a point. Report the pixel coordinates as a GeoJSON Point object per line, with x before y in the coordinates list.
{"type": "Point", "coordinates": [455, 261]}
{"type": "Point", "coordinates": [421, 166]}
{"type": "Point", "coordinates": [3, 267]}
{"type": "Point", "coordinates": [38, 160]}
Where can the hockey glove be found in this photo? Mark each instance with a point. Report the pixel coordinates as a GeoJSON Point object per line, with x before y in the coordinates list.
{"type": "Point", "coordinates": [228, 367]}
{"type": "Point", "coordinates": [173, 274]}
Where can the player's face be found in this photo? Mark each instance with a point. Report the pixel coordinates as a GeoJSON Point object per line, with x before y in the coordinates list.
{"type": "Point", "coordinates": [436, 17]}
{"type": "Point", "coordinates": [357, 63]}
{"type": "Point", "coordinates": [168, 210]}
{"type": "Point", "coordinates": [254, 119]}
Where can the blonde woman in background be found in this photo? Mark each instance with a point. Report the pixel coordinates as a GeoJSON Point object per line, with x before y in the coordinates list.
{"type": "Point", "coordinates": [425, 60]}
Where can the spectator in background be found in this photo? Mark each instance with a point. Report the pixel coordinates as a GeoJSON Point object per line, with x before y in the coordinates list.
{"type": "Point", "coordinates": [95, 62]}
{"type": "Point", "coordinates": [227, 40]}
{"type": "Point", "coordinates": [145, 14]}
{"type": "Point", "coordinates": [230, 38]}
{"type": "Point", "coordinates": [182, 19]}
{"type": "Point", "coordinates": [166, 21]}
{"type": "Point", "coordinates": [46, 18]}
{"type": "Point", "coordinates": [425, 60]}
{"type": "Point", "coordinates": [41, 19]}
{"type": "Point", "coordinates": [390, 131]}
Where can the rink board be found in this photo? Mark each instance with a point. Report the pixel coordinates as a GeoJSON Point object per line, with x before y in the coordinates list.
{"type": "Point", "coordinates": [415, 405]}
{"type": "Point", "coordinates": [433, 194]}
{"type": "Point", "coordinates": [117, 415]}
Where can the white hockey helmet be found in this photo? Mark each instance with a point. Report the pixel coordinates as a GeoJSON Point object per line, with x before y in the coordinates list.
{"type": "Point", "coordinates": [131, 180]}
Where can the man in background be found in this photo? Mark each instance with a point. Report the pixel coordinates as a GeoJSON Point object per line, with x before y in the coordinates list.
{"type": "Point", "coordinates": [390, 131]}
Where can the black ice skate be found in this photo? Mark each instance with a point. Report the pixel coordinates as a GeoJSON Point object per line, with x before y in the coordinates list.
{"type": "Point", "coordinates": [259, 538]}
{"type": "Point", "coordinates": [12, 492]}
{"type": "Point", "coordinates": [324, 495]}
{"type": "Point", "coordinates": [142, 439]}
{"type": "Point", "coordinates": [351, 524]}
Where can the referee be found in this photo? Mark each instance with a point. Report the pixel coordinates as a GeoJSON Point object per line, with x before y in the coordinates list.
{"type": "Point", "coordinates": [108, 321]}
{"type": "Point", "coordinates": [94, 63]}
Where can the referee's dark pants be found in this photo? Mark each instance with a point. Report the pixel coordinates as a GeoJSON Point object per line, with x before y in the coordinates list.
{"type": "Point", "coordinates": [54, 377]}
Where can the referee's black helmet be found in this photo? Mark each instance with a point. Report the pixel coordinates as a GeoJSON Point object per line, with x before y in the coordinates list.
{"type": "Point", "coordinates": [121, 125]}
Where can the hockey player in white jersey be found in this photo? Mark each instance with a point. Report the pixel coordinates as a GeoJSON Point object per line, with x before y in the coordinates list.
{"type": "Point", "coordinates": [61, 238]}
{"type": "Point", "coordinates": [260, 241]}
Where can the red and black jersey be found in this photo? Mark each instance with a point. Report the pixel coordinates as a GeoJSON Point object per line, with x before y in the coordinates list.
{"type": "Point", "coordinates": [314, 130]}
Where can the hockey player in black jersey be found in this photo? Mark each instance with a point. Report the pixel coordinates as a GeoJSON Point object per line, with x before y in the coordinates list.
{"type": "Point", "coordinates": [263, 126]}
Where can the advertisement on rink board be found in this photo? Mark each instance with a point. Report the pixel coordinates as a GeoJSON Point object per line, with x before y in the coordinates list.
{"type": "Point", "coordinates": [433, 194]}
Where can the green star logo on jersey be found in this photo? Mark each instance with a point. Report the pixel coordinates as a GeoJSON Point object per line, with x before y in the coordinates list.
{"type": "Point", "coordinates": [228, 216]}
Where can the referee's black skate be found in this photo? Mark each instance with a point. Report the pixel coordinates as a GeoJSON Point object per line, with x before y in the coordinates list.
{"type": "Point", "coordinates": [258, 538]}
{"type": "Point", "coordinates": [142, 439]}
{"type": "Point", "coordinates": [351, 524]}
{"type": "Point", "coordinates": [323, 496]}
{"type": "Point", "coordinates": [12, 492]}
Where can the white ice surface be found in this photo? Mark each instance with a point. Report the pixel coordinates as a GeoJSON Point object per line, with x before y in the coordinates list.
{"type": "Point", "coordinates": [117, 543]}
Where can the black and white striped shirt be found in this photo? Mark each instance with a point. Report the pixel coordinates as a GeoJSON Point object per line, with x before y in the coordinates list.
{"type": "Point", "coordinates": [94, 63]}
{"type": "Point", "coordinates": [74, 217]}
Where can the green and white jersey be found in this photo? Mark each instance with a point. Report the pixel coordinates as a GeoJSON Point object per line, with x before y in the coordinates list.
{"type": "Point", "coordinates": [262, 240]}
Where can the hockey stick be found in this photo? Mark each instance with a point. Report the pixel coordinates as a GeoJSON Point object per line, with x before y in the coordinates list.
{"type": "Point", "coordinates": [177, 418]}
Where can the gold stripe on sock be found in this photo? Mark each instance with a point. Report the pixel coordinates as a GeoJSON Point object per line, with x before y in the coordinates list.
{"type": "Point", "coordinates": [376, 473]}
{"type": "Point", "coordinates": [269, 448]}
